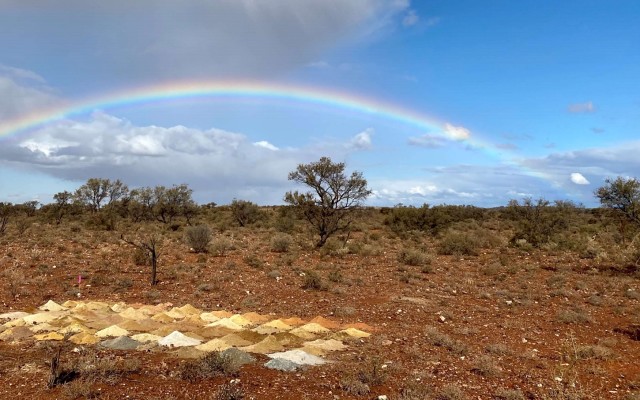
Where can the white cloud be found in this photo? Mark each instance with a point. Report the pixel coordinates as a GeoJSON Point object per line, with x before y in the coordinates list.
{"type": "Point", "coordinates": [587, 107]}
{"type": "Point", "coordinates": [456, 132]}
{"type": "Point", "coordinates": [579, 179]}
{"type": "Point", "coordinates": [362, 141]}
{"type": "Point", "coordinates": [411, 18]}
{"type": "Point", "coordinates": [266, 145]}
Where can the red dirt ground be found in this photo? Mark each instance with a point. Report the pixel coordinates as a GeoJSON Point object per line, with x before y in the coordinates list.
{"type": "Point", "coordinates": [505, 324]}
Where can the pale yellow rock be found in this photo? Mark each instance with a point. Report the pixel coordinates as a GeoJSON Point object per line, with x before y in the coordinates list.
{"type": "Point", "coordinates": [49, 336]}
{"type": "Point", "coordinates": [256, 318]}
{"type": "Point", "coordinates": [132, 313]}
{"type": "Point", "coordinates": [175, 313]}
{"type": "Point", "coordinates": [313, 327]}
{"type": "Point", "coordinates": [301, 333]}
{"type": "Point", "coordinates": [51, 306]}
{"type": "Point", "coordinates": [75, 328]}
{"type": "Point", "coordinates": [313, 351]}
{"type": "Point", "coordinates": [15, 322]}
{"type": "Point", "coordinates": [162, 317]}
{"type": "Point", "coordinates": [71, 304]}
{"type": "Point", "coordinates": [226, 323]}
{"type": "Point", "coordinates": [48, 316]}
{"type": "Point", "coordinates": [188, 309]}
{"type": "Point", "coordinates": [146, 337]}
{"type": "Point", "coordinates": [275, 326]}
{"type": "Point", "coordinates": [84, 338]}
{"type": "Point", "coordinates": [213, 345]}
{"type": "Point", "coordinates": [118, 307]}
{"type": "Point", "coordinates": [112, 331]}
{"type": "Point", "coordinates": [269, 345]}
{"type": "Point", "coordinates": [194, 319]}
{"type": "Point", "coordinates": [209, 317]}
{"type": "Point", "coordinates": [15, 334]}
{"type": "Point", "coordinates": [326, 345]}
{"type": "Point", "coordinates": [240, 320]}
{"type": "Point", "coordinates": [356, 333]}
{"type": "Point", "coordinates": [97, 305]}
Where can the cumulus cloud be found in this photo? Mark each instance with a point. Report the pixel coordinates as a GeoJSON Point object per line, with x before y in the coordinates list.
{"type": "Point", "coordinates": [361, 141]}
{"type": "Point", "coordinates": [577, 108]}
{"type": "Point", "coordinates": [579, 179]}
{"type": "Point", "coordinates": [147, 39]}
{"type": "Point", "coordinates": [456, 132]}
{"type": "Point", "coordinates": [219, 165]}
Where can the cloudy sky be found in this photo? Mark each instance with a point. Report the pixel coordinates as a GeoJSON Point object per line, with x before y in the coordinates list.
{"type": "Point", "coordinates": [458, 102]}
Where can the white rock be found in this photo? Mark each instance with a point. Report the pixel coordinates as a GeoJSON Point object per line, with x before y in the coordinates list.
{"type": "Point", "coordinates": [177, 339]}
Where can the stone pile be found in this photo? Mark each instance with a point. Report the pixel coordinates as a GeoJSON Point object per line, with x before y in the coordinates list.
{"type": "Point", "coordinates": [186, 330]}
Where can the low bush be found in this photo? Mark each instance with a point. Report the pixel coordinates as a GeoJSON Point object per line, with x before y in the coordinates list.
{"type": "Point", "coordinates": [281, 243]}
{"type": "Point", "coordinates": [198, 238]}
{"type": "Point", "coordinates": [458, 244]}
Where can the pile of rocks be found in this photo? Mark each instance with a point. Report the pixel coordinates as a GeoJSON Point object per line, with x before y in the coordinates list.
{"type": "Point", "coordinates": [186, 331]}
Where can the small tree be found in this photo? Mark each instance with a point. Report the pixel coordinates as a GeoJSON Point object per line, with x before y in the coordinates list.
{"type": "Point", "coordinates": [245, 212]}
{"type": "Point", "coordinates": [150, 245]}
{"type": "Point", "coordinates": [623, 196]}
{"type": "Point", "coordinates": [96, 190]}
{"type": "Point", "coordinates": [329, 207]}
{"type": "Point", "coordinates": [62, 205]}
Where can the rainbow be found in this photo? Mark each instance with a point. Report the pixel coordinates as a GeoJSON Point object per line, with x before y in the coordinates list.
{"type": "Point", "coordinates": [295, 94]}
{"type": "Point", "coordinates": [221, 89]}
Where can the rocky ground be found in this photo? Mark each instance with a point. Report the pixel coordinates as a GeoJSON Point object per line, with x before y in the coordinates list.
{"type": "Point", "coordinates": [505, 324]}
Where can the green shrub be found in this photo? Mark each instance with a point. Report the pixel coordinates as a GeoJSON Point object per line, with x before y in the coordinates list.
{"type": "Point", "coordinates": [281, 243]}
{"type": "Point", "coordinates": [413, 257]}
{"type": "Point", "coordinates": [313, 281]}
{"type": "Point", "coordinates": [458, 244]}
{"type": "Point", "coordinates": [198, 238]}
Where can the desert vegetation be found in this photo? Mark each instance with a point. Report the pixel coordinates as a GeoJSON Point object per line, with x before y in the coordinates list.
{"type": "Point", "coordinates": [535, 299]}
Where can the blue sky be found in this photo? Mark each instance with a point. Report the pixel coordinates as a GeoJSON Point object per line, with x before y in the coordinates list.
{"type": "Point", "coordinates": [527, 98]}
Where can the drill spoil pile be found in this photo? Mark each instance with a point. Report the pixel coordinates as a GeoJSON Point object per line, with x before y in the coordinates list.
{"type": "Point", "coordinates": [162, 327]}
